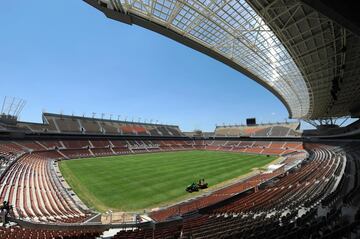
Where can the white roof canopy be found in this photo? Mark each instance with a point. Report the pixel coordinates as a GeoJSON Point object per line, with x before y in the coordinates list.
{"type": "Point", "coordinates": [258, 39]}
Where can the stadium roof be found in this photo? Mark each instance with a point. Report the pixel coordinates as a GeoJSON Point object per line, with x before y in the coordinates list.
{"type": "Point", "coordinates": [310, 62]}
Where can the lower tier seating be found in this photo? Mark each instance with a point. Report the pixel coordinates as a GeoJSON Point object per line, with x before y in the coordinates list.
{"type": "Point", "coordinates": [26, 233]}
{"type": "Point", "coordinates": [310, 201]}
{"type": "Point", "coordinates": [36, 193]}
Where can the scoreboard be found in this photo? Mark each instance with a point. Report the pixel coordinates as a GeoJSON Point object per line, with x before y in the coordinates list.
{"type": "Point", "coordinates": [251, 121]}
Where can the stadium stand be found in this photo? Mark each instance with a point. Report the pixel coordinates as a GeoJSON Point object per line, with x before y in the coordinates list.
{"type": "Point", "coordinates": [261, 130]}
{"type": "Point", "coordinates": [26, 233]}
{"type": "Point", "coordinates": [66, 124]}
{"type": "Point", "coordinates": [30, 186]}
{"type": "Point", "coordinates": [36, 157]}
{"type": "Point", "coordinates": [90, 126]}
{"type": "Point", "coordinates": [76, 124]}
{"type": "Point", "coordinates": [285, 208]}
{"type": "Point", "coordinates": [311, 176]}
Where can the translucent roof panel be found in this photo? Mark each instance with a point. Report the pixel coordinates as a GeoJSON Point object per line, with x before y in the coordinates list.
{"type": "Point", "coordinates": [234, 30]}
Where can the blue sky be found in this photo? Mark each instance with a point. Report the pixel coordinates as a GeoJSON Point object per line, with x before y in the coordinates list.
{"type": "Point", "coordinates": [65, 56]}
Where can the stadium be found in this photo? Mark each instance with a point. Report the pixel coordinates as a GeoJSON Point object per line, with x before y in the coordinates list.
{"type": "Point", "coordinates": [95, 177]}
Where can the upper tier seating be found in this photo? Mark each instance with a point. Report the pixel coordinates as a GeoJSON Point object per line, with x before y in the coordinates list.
{"type": "Point", "coordinates": [68, 125]}
{"type": "Point", "coordinates": [140, 130]}
{"type": "Point", "coordinates": [54, 123]}
{"type": "Point", "coordinates": [262, 130]}
{"type": "Point", "coordinates": [127, 130]}
{"type": "Point", "coordinates": [109, 127]}
{"type": "Point", "coordinates": [90, 126]}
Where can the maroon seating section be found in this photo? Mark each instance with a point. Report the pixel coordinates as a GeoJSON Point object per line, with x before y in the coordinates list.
{"type": "Point", "coordinates": [34, 192]}
{"type": "Point", "coordinates": [28, 183]}
{"type": "Point", "coordinates": [26, 233]}
{"type": "Point", "coordinates": [31, 186]}
{"type": "Point", "coordinates": [257, 213]}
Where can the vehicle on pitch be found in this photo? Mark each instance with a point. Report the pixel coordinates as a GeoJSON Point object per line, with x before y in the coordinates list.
{"type": "Point", "coordinates": [192, 188]}
{"type": "Point", "coordinates": [201, 184]}
{"type": "Point", "coordinates": [195, 187]}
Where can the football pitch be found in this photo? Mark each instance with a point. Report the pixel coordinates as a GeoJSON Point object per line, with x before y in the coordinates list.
{"type": "Point", "coordinates": [144, 181]}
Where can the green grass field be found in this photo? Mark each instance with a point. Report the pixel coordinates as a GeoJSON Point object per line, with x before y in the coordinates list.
{"type": "Point", "coordinates": [134, 182]}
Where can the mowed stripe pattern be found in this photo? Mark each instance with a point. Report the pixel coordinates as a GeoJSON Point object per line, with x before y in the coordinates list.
{"type": "Point", "coordinates": [133, 182]}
